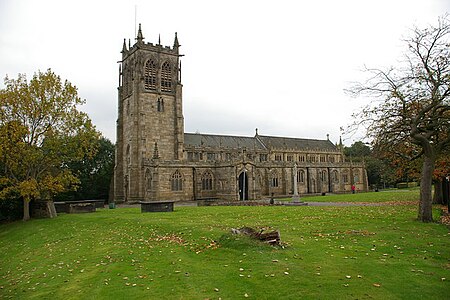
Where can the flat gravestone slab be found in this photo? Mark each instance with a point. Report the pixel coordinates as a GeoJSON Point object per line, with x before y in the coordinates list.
{"type": "Point", "coordinates": [156, 206]}
{"type": "Point", "coordinates": [77, 208]}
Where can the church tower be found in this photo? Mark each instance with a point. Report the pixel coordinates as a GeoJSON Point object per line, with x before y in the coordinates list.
{"type": "Point", "coordinates": [150, 124]}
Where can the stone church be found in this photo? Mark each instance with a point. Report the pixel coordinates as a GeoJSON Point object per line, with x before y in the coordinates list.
{"type": "Point", "coordinates": [157, 160]}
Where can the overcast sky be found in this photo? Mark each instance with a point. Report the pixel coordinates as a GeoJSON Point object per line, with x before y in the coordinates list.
{"type": "Point", "coordinates": [279, 66]}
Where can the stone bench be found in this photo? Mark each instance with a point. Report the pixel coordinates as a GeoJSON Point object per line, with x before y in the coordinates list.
{"type": "Point", "coordinates": [157, 206]}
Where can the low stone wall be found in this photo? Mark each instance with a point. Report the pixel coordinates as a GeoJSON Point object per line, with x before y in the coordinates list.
{"type": "Point", "coordinates": [64, 207]}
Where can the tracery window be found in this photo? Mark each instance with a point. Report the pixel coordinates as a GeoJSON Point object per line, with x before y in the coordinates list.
{"type": "Point", "coordinates": [323, 176]}
{"type": "Point", "coordinates": [335, 176]}
{"type": "Point", "coordinates": [345, 178]}
{"type": "Point", "coordinates": [150, 75]}
{"type": "Point", "coordinates": [356, 176]}
{"type": "Point", "coordinates": [274, 179]}
{"type": "Point", "coordinates": [207, 181]}
{"type": "Point", "coordinates": [166, 77]}
{"type": "Point", "coordinates": [300, 176]}
{"type": "Point", "coordinates": [177, 181]}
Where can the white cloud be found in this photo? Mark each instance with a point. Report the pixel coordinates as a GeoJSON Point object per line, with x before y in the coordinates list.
{"type": "Point", "coordinates": [279, 66]}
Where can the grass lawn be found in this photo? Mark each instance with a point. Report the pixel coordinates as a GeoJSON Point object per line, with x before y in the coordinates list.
{"type": "Point", "coordinates": [330, 253]}
{"type": "Point", "coordinates": [391, 195]}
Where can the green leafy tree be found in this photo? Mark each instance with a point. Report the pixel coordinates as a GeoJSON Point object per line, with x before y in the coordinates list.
{"type": "Point", "coordinates": [379, 173]}
{"type": "Point", "coordinates": [41, 130]}
{"type": "Point", "coordinates": [94, 172]}
{"type": "Point", "coordinates": [411, 109]}
{"type": "Point", "coordinates": [357, 150]}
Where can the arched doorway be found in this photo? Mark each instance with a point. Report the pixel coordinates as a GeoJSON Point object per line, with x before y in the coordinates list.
{"type": "Point", "coordinates": [243, 186]}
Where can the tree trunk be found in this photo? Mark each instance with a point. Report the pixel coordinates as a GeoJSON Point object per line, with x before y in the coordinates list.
{"type": "Point", "coordinates": [426, 200]}
{"type": "Point", "coordinates": [26, 209]}
{"type": "Point", "coordinates": [438, 196]}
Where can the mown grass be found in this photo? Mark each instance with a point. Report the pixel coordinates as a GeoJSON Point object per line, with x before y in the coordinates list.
{"type": "Point", "coordinates": [392, 195]}
{"type": "Point", "coordinates": [330, 252]}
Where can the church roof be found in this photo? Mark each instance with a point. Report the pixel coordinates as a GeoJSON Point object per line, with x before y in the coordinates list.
{"type": "Point", "coordinates": [258, 142]}
{"type": "Point", "coordinates": [296, 143]}
{"type": "Point", "coordinates": [221, 141]}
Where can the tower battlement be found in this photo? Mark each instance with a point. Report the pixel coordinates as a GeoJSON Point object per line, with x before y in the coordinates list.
{"type": "Point", "coordinates": [157, 48]}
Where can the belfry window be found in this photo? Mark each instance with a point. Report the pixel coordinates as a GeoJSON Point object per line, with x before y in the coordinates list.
{"type": "Point", "coordinates": [150, 75]}
{"type": "Point", "coordinates": [177, 181]}
{"type": "Point", "coordinates": [166, 77]}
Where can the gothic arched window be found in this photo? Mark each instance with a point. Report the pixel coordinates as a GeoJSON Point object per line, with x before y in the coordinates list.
{"type": "Point", "coordinates": [356, 176]}
{"type": "Point", "coordinates": [207, 181]}
{"type": "Point", "coordinates": [150, 75]}
{"type": "Point", "coordinates": [323, 176]}
{"type": "Point", "coordinates": [166, 77]}
{"type": "Point", "coordinates": [274, 179]}
{"type": "Point", "coordinates": [177, 181]}
{"type": "Point", "coordinates": [335, 176]}
{"type": "Point", "coordinates": [300, 176]}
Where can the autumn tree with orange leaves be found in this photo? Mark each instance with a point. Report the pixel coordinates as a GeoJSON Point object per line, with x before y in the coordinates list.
{"type": "Point", "coordinates": [411, 105]}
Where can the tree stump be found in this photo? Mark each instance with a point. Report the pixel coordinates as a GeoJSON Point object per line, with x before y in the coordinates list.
{"type": "Point", "coordinates": [270, 237]}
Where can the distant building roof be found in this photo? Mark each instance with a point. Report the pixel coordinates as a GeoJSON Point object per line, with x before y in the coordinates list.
{"type": "Point", "coordinates": [259, 142]}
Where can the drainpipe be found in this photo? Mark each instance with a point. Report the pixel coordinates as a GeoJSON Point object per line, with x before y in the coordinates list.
{"type": "Point", "coordinates": [194, 184]}
{"type": "Point", "coordinates": [308, 187]}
